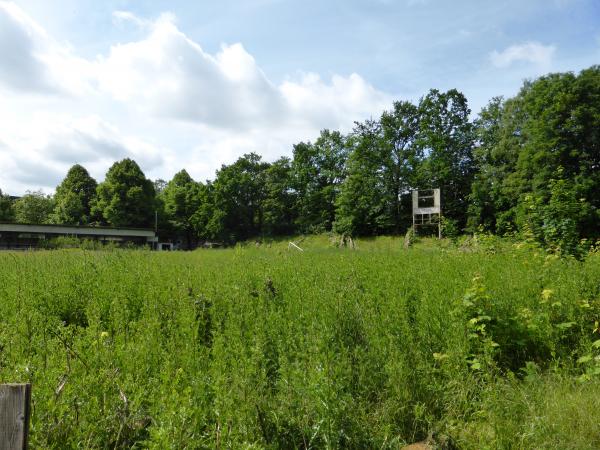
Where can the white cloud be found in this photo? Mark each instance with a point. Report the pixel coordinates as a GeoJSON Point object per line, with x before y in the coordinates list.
{"type": "Point", "coordinates": [126, 16]}
{"type": "Point", "coordinates": [32, 61]}
{"type": "Point", "coordinates": [92, 140]}
{"type": "Point", "coordinates": [336, 104]}
{"type": "Point", "coordinates": [41, 159]}
{"type": "Point", "coordinates": [194, 109]}
{"type": "Point", "coordinates": [169, 75]}
{"type": "Point", "coordinates": [529, 52]}
{"type": "Point", "coordinates": [21, 66]}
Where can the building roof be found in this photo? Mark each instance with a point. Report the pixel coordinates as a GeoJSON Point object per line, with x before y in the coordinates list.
{"type": "Point", "coordinates": [75, 230]}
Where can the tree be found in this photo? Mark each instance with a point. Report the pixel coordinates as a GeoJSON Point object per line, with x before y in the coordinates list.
{"type": "Point", "coordinates": [383, 167]}
{"type": "Point", "coordinates": [279, 199]}
{"type": "Point", "coordinates": [205, 219]}
{"type": "Point", "coordinates": [447, 139]}
{"type": "Point", "coordinates": [181, 198]}
{"type": "Point", "coordinates": [34, 207]}
{"type": "Point", "coordinates": [126, 198]}
{"type": "Point", "coordinates": [549, 131]}
{"type": "Point", "coordinates": [7, 209]}
{"type": "Point", "coordinates": [554, 222]}
{"type": "Point", "coordinates": [361, 205]}
{"type": "Point", "coordinates": [561, 130]}
{"type": "Point", "coordinates": [159, 186]}
{"type": "Point", "coordinates": [401, 161]}
{"type": "Point", "coordinates": [319, 170]}
{"type": "Point", "coordinates": [499, 138]}
{"type": "Point", "coordinates": [74, 197]}
{"type": "Point", "coordinates": [237, 195]}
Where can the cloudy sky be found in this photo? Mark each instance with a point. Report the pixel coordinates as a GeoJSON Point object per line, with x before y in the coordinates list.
{"type": "Point", "coordinates": [179, 84]}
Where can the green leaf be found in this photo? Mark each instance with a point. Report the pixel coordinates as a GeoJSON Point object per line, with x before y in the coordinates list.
{"type": "Point", "coordinates": [565, 325]}
{"type": "Point", "coordinates": [475, 364]}
{"type": "Point", "coordinates": [440, 356]}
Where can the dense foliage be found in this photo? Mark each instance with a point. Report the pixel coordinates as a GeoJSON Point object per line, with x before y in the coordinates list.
{"type": "Point", "coordinates": [329, 348]}
{"type": "Point", "coordinates": [541, 150]}
{"type": "Point", "coordinates": [7, 209]}
{"type": "Point", "coordinates": [528, 164]}
{"type": "Point", "coordinates": [318, 172]}
{"type": "Point", "coordinates": [74, 196]}
{"type": "Point", "coordinates": [181, 199]}
{"type": "Point", "coordinates": [34, 207]}
{"type": "Point", "coordinates": [126, 198]}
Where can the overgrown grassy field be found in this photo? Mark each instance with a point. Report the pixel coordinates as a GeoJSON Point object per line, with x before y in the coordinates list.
{"type": "Point", "coordinates": [486, 345]}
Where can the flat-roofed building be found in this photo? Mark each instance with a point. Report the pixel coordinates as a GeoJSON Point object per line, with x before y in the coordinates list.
{"type": "Point", "coordinates": [20, 235]}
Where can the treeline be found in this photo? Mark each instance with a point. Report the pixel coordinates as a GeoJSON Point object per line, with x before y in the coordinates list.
{"type": "Point", "coordinates": [528, 164]}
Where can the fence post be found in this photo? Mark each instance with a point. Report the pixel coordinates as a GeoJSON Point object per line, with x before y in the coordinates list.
{"type": "Point", "coordinates": [15, 400]}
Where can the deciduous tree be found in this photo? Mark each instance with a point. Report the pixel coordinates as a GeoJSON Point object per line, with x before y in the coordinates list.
{"type": "Point", "coordinates": [549, 131]}
{"type": "Point", "coordinates": [181, 198]}
{"type": "Point", "coordinates": [361, 205]}
{"type": "Point", "coordinates": [7, 208]}
{"type": "Point", "coordinates": [74, 197]}
{"type": "Point", "coordinates": [34, 207]}
{"type": "Point", "coordinates": [447, 140]}
{"type": "Point", "coordinates": [279, 200]}
{"type": "Point", "coordinates": [402, 158]}
{"type": "Point", "coordinates": [237, 195]}
{"type": "Point", "coordinates": [126, 197]}
{"type": "Point", "coordinates": [319, 170]}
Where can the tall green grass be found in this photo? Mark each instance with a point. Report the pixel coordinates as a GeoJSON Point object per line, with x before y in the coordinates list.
{"type": "Point", "coordinates": [483, 345]}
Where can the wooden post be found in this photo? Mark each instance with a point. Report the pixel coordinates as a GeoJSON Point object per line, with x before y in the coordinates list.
{"type": "Point", "coordinates": [15, 400]}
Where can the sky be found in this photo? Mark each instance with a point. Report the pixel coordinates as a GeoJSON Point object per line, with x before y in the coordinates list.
{"type": "Point", "coordinates": [195, 85]}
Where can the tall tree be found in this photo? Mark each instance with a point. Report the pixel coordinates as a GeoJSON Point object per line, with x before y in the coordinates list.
{"type": "Point", "coordinates": [401, 161]}
{"type": "Point", "coordinates": [206, 220]}
{"type": "Point", "coordinates": [319, 170]}
{"type": "Point", "coordinates": [181, 198]}
{"type": "Point", "coordinates": [562, 140]}
{"type": "Point", "coordinates": [447, 139]}
{"type": "Point", "coordinates": [499, 138]}
{"type": "Point", "coordinates": [74, 197]}
{"type": "Point", "coordinates": [279, 202]}
{"type": "Point", "coordinates": [238, 192]}
{"type": "Point", "coordinates": [34, 207]}
{"type": "Point", "coordinates": [126, 197]}
{"type": "Point", "coordinates": [383, 167]}
{"type": "Point", "coordinates": [7, 209]}
{"type": "Point", "coordinates": [536, 147]}
{"type": "Point", "coordinates": [362, 204]}
{"type": "Point", "coordinates": [159, 185]}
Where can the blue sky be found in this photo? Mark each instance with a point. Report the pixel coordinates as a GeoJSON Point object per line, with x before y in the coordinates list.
{"type": "Point", "coordinates": [178, 84]}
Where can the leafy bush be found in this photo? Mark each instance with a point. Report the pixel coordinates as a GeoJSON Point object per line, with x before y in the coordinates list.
{"type": "Point", "coordinates": [556, 222]}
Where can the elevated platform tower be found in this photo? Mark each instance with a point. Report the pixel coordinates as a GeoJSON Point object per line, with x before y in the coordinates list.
{"type": "Point", "coordinates": [427, 209]}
